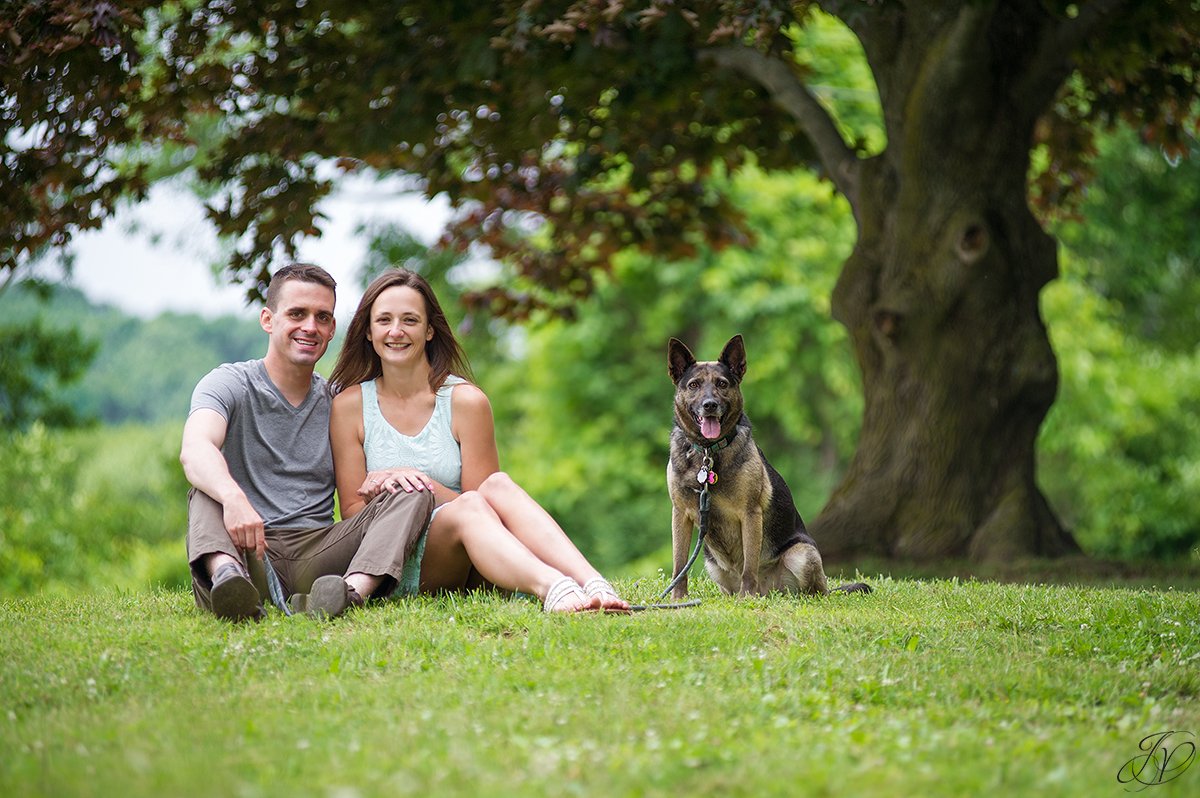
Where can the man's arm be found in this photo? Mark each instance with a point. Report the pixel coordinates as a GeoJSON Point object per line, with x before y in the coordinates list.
{"type": "Point", "coordinates": [205, 467]}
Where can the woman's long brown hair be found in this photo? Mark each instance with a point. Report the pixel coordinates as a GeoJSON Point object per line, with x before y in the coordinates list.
{"type": "Point", "coordinates": [358, 361]}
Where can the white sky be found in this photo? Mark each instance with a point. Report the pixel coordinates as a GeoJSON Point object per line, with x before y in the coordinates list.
{"type": "Point", "coordinates": [158, 255]}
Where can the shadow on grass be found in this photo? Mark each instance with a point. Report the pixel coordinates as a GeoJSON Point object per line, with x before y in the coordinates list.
{"type": "Point", "coordinates": [1078, 570]}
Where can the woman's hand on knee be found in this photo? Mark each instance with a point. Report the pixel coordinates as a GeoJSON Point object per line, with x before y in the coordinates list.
{"type": "Point", "coordinates": [394, 480]}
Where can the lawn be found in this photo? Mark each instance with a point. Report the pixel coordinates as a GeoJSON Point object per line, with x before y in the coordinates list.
{"type": "Point", "coordinates": [925, 687]}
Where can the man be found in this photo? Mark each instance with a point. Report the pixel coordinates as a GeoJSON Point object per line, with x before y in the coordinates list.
{"type": "Point", "coordinates": [256, 451]}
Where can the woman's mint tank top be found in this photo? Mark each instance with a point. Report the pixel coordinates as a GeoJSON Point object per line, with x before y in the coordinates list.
{"type": "Point", "coordinates": [433, 450]}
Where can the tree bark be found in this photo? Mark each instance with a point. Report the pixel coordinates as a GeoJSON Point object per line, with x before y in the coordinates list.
{"type": "Point", "coordinates": [940, 297]}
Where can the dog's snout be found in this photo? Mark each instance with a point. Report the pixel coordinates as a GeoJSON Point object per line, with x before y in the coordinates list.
{"type": "Point", "coordinates": [710, 407]}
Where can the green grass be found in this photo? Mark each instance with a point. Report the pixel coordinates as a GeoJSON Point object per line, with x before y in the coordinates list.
{"type": "Point", "coordinates": [938, 687]}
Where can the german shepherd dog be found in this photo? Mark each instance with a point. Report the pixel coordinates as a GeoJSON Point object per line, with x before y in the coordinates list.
{"type": "Point", "coordinates": [755, 541]}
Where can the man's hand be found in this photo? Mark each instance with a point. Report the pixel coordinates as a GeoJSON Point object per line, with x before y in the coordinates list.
{"type": "Point", "coordinates": [245, 527]}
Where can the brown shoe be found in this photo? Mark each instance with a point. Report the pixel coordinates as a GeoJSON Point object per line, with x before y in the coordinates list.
{"type": "Point", "coordinates": [329, 597]}
{"type": "Point", "coordinates": [234, 597]}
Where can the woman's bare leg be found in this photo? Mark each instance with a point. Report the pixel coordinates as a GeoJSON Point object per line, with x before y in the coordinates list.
{"type": "Point", "coordinates": [467, 532]}
{"type": "Point", "coordinates": [540, 533]}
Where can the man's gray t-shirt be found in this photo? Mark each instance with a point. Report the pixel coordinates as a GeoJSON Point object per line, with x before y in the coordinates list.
{"type": "Point", "coordinates": [278, 454]}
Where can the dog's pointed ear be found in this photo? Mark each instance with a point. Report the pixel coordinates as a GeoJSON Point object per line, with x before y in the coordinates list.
{"type": "Point", "coordinates": [733, 356]}
{"type": "Point", "coordinates": [679, 359]}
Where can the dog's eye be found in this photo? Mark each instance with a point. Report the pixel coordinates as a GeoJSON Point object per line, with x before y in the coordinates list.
{"type": "Point", "coordinates": [694, 384]}
{"type": "Point", "coordinates": [722, 383]}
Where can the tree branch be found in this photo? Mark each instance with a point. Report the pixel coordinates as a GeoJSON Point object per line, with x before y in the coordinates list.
{"type": "Point", "coordinates": [790, 94]}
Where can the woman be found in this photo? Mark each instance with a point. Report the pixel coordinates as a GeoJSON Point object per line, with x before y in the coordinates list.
{"type": "Point", "coordinates": [404, 419]}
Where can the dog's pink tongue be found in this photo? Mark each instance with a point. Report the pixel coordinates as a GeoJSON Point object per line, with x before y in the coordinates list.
{"type": "Point", "coordinates": [710, 427]}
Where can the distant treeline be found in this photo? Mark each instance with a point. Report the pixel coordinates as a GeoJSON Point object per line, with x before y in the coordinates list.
{"type": "Point", "coordinates": [145, 369]}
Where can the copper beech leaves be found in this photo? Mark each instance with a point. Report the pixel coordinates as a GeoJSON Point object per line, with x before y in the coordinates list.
{"type": "Point", "coordinates": [561, 132]}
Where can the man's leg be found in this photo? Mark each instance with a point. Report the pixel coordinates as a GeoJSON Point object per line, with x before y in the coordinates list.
{"type": "Point", "coordinates": [220, 580]}
{"type": "Point", "coordinates": [366, 553]}
{"type": "Point", "coordinates": [390, 533]}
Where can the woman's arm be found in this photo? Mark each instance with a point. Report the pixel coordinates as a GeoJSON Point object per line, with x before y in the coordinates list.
{"type": "Point", "coordinates": [475, 431]}
{"type": "Point", "coordinates": [346, 440]}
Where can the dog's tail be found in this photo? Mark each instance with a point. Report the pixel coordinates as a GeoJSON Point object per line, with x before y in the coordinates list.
{"type": "Point", "coordinates": [853, 587]}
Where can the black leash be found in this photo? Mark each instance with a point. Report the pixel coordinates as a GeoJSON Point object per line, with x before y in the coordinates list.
{"type": "Point", "coordinates": [705, 477]}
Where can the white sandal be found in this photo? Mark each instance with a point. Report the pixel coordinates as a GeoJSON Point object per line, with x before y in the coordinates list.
{"type": "Point", "coordinates": [599, 587]}
{"type": "Point", "coordinates": [561, 594]}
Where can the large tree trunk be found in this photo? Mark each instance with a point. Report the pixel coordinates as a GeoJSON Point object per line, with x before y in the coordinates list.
{"type": "Point", "coordinates": [941, 300]}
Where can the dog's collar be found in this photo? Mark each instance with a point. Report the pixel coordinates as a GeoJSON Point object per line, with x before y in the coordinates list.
{"type": "Point", "coordinates": [723, 443]}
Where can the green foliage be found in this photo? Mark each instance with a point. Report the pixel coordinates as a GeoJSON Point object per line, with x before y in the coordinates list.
{"type": "Point", "coordinates": [391, 246]}
{"type": "Point", "coordinates": [90, 508]}
{"type": "Point", "coordinates": [1120, 451]}
{"type": "Point", "coordinates": [43, 355]}
{"type": "Point", "coordinates": [837, 72]}
{"type": "Point", "coordinates": [1119, 454]}
{"type": "Point", "coordinates": [39, 361]}
{"type": "Point", "coordinates": [1140, 245]}
{"type": "Point", "coordinates": [931, 688]}
{"type": "Point", "coordinates": [37, 480]}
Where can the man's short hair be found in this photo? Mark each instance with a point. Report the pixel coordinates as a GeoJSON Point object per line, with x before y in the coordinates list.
{"type": "Point", "coordinates": [304, 272]}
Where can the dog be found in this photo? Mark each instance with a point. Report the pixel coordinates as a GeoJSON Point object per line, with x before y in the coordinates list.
{"type": "Point", "coordinates": [755, 541]}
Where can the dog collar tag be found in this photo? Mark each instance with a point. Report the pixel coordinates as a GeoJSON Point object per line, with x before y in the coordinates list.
{"type": "Point", "coordinates": [706, 477]}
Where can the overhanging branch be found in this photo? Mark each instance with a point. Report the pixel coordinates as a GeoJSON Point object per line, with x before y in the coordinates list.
{"type": "Point", "coordinates": [790, 93]}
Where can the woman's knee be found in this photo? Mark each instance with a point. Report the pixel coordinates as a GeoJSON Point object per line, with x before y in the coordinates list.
{"type": "Point", "coordinates": [471, 516]}
{"type": "Point", "coordinates": [466, 507]}
{"type": "Point", "coordinates": [499, 485]}
{"type": "Point", "coordinates": [456, 517]}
